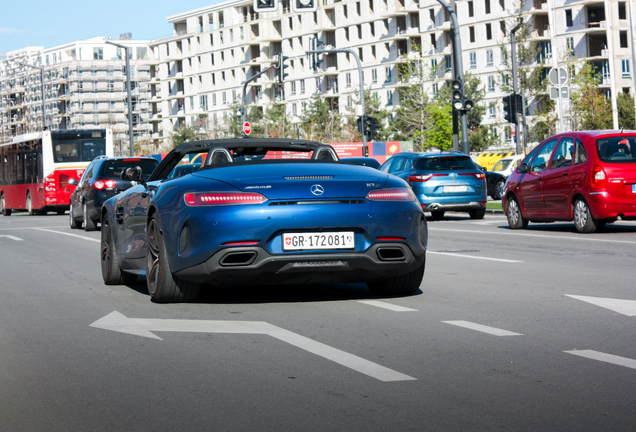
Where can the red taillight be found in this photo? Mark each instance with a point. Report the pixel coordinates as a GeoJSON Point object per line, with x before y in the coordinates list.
{"type": "Point", "coordinates": [598, 177]}
{"type": "Point", "coordinates": [401, 194]}
{"type": "Point", "coordinates": [241, 243]}
{"type": "Point", "coordinates": [478, 176]}
{"type": "Point", "coordinates": [425, 177]}
{"type": "Point", "coordinates": [104, 184]}
{"type": "Point", "coordinates": [223, 198]}
{"type": "Point", "coordinates": [49, 183]}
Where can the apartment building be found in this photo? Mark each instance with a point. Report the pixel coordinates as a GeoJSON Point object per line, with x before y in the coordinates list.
{"type": "Point", "coordinates": [198, 73]}
{"type": "Point", "coordinates": [84, 87]}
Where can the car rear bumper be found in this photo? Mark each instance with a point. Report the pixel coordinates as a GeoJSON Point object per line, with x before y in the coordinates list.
{"type": "Point", "coordinates": [604, 206]}
{"type": "Point", "coordinates": [249, 265]}
{"type": "Point", "coordinates": [462, 206]}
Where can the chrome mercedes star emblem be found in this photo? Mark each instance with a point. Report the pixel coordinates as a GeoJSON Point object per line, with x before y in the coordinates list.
{"type": "Point", "coordinates": [453, 175]}
{"type": "Point", "coordinates": [317, 190]}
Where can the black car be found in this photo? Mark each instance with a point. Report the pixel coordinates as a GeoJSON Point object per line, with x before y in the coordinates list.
{"type": "Point", "coordinates": [101, 181]}
{"type": "Point", "coordinates": [496, 183]}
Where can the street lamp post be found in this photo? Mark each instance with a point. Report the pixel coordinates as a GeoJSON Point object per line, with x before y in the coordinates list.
{"type": "Point", "coordinates": [130, 118]}
{"type": "Point", "coordinates": [41, 89]}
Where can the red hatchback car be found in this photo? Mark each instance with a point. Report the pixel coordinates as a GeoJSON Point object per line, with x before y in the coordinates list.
{"type": "Point", "coordinates": [588, 177]}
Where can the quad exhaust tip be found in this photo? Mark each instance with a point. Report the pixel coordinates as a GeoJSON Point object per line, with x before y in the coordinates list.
{"type": "Point", "coordinates": [234, 259]}
{"type": "Point", "coordinates": [390, 254]}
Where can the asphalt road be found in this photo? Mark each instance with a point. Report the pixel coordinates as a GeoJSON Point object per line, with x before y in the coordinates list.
{"type": "Point", "coordinates": [493, 341]}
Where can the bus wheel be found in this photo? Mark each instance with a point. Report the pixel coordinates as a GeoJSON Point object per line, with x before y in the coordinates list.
{"type": "Point", "coordinates": [29, 205]}
{"type": "Point", "coordinates": [5, 211]}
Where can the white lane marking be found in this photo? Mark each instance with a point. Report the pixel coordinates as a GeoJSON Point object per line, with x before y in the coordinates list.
{"type": "Point", "coordinates": [517, 233]}
{"type": "Point", "coordinates": [14, 238]}
{"type": "Point", "coordinates": [29, 228]}
{"type": "Point", "coordinates": [474, 257]}
{"type": "Point", "coordinates": [625, 307]}
{"type": "Point", "coordinates": [388, 306]}
{"type": "Point", "coordinates": [69, 234]}
{"type": "Point", "coordinates": [482, 328]}
{"type": "Point", "coordinates": [115, 321]}
{"type": "Point", "coordinates": [607, 358]}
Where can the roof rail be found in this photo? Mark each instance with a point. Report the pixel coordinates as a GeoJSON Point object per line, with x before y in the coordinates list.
{"type": "Point", "coordinates": [101, 157]}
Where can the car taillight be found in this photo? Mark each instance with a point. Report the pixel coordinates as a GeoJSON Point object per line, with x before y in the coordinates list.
{"type": "Point", "coordinates": [104, 184]}
{"type": "Point", "coordinates": [399, 194]}
{"type": "Point", "coordinates": [425, 177]}
{"type": "Point", "coordinates": [223, 198]}
{"type": "Point", "coordinates": [479, 176]}
{"type": "Point", "coordinates": [598, 177]}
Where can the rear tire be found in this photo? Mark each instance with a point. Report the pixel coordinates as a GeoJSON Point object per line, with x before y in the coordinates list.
{"type": "Point", "coordinates": [399, 285]}
{"type": "Point", "coordinates": [29, 205]}
{"type": "Point", "coordinates": [499, 190]}
{"type": "Point", "coordinates": [437, 215]}
{"type": "Point", "coordinates": [89, 225]}
{"type": "Point", "coordinates": [477, 214]}
{"type": "Point", "coordinates": [5, 211]}
{"type": "Point", "coordinates": [163, 286]}
{"type": "Point", "coordinates": [515, 217]}
{"type": "Point", "coordinates": [583, 220]}
{"type": "Point", "coordinates": [111, 272]}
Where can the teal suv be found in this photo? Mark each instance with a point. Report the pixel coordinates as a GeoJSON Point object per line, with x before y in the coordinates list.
{"type": "Point", "coordinates": [442, 181]}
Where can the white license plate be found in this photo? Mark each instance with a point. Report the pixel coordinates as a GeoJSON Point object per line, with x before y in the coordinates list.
{"type": "Point", "coordinates": [451, 189]}
{"type": "Point", "coordinates": [316, 241]}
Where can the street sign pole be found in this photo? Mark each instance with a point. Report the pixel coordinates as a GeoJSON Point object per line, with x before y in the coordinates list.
{"type": "Point", "coordinates": [515, 87]}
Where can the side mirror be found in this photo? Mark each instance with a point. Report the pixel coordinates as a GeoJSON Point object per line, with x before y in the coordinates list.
{"type": "Point", "coordinates": [523, 168]}
{"type": "Point", "coordinates": [72, 182]}
{"type": "Point", "coordinates": [132, 173]}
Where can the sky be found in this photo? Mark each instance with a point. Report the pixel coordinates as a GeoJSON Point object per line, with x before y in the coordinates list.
{"type": "Point", "coordinates": [47, 23]}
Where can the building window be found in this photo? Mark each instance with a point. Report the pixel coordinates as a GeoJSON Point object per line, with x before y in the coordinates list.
{"type": "Point", "coordinates": [568, 18]}
{"type": "Point", "coordinates": [487, 6]}
{"type": "Point", "coordinates": [302, 86]}
{"type": "Point", "coordinates": [98, 53]}
{"type": "Point", "coordinates": [624, 43]}
{"type": "Point", "coordinates": [294, 109]}
{"type": "Point", "coordinates": [203, 102]}
{"type": "Point", "coordinates": [389, 97]}
{"type": "Point", "coordinates": [213, 99]}
{"type": "Point", "coordinates": [489, 58]}
{"type": "Point", "coordinates": [502, 3]}
{"type": "Point", "coordinates": [471, 32]}
{"type": "Point", "coordinates": [348, 80]}
{"type": "Point", "coordinates": [293, 88]}
{"type": "Point", "coordinates": [625, 68]}
{"type": "Point", "coordinates": [622, 13]}
{"type": "Point", "coordinates": [491, 83]}
{"type": "Point", "coordinates": [569, 44]}
{"type": "Point", "coordinates": [435, 89]}
{"type": "Point", "coordinates": [387, 71]}
{"type": "Point", "coordinates": [491, 111]}
{"type": "Point", "coordinates": [471, 10]}
{"type": "Point", "coordinates": [374, 76]}
{"type": "Point", "coordinates": [488, 31]}
{"type": "Point", "coordinates": [473, 60]}
{"type": "Point", "coordinates": [502, 27]}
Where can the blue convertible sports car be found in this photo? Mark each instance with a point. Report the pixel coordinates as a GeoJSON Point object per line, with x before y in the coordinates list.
{"type": "Point", "coordinates": [262, 211]}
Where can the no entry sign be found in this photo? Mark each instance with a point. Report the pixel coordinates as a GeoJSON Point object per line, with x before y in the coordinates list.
{"type": "Point", "coordinates": [247, 128]}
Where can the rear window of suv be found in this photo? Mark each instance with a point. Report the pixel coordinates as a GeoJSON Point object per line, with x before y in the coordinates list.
{"type": "Point", "coordinates": [112, 169]}
{"type": "Point", "coordinates": [617, 149]}
{"type": "Point", "coordinates": [445, 163]}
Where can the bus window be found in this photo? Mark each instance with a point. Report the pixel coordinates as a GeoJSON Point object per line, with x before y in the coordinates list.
{"type": "Point", "coordinates": [93, 148]}
{"type": "Point", "coordinates": [66, 151]}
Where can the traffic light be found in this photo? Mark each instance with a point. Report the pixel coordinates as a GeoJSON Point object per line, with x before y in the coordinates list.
{"type": "Point", "coordinates": [373, 127]}
{"type": "Point", "coordinates": [457, 95]}
{"type": "Point", "coordinates": [360, 125]}
{"type": "Point", "coordinates": [281, 67]}
{"type": "Point", "coordinates": [518, 104]}
{"type": "Point", "coordinates": [262, 6]}
{"type": "Point", "coordinates": [368, 126]}
{"type": "Point", "coordinates": [510, 108]}
{"type": "Point", "coordinates": [459, 100]}
{"type": "Point", "coordinates": [304, 6]}
{"type": "Point", "coordinates": [316, 60]}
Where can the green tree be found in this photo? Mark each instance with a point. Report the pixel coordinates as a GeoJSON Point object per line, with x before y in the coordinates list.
{"type": "Point", "coordinates": [182, 134]}
{"type": "Point", "coordinates": [439, 133]}
{"type": "Point", "coordinates": [321, 121]}
{"type": "Point", "coordinates": [625, 103]}
{"type": "Point", "coordinates": [590, 108]}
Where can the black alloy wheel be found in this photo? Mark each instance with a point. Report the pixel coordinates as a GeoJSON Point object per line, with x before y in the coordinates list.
{"type": "Point", "coordinates": [111, 271]}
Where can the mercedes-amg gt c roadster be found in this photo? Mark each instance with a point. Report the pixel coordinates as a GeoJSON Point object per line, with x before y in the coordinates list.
{"type": "Point", "coordinates": [240, 212]}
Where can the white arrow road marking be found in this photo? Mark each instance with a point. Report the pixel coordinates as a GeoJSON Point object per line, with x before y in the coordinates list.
{"type": "Point", "coordinates": [474, 257]}
{"type": "Point", "coordinates": [607, 358]}
{"type": "Point", "coordinates": [625, 307]}
{"type": "Point", "coordinates": [482, 328]}
{"type": "Point", "coordinates": [14, 238]}
{"type": "Point", "coordinates": [72, 235]}
{"type": "Point", "coordinates": [388, 306]}
{"type": "Point", "coordinates": [115, 321]}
